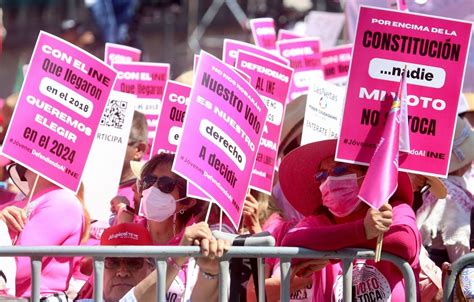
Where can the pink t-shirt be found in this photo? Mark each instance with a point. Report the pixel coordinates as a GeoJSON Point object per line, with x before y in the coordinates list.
{"type": "Point", "coordinates": [55, 218]}
{"type": "Point", "coordinates": [371, 280]}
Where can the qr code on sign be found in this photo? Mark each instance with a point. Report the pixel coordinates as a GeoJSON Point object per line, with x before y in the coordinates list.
{"type": "Point", "coordinates": [114, 114]}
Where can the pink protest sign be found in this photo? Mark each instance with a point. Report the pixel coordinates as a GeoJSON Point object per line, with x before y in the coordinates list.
{"type": "Point", "coordinates": [231, 48]}
{"type": "Point", "coordinates": [336, 62]}
{"type": "Point", "coordinates": [272, 81]}
{"type": "Point", "coordinates": [305, 58]}
{"type": "Point", "coordinates": [434, 51]}
{"type": "Point", "coordinates": [221, 133]}
{"type": "Point", "coordinates": [170, 122]}
{"type": "Point", "coordinates": [147, 81]}
{"type": "Point", "coordinates": [58, 111]}
{"type": "Point", "coordinates": [284, 34]}
{"type": "Point", "coordinates": [193, 191]}
{"type": "Point", "coordinates": [263, 32]}
{"type": "Point", "coordinates": [116, 53]}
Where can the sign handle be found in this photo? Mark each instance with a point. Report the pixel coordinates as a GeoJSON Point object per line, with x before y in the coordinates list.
{"type": "Point", "coordinates": [378, 248]}
{"type": "Point", "coordinates": [208, 212]}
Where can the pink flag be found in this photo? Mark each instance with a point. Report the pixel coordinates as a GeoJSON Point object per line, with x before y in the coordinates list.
{"type": "Point", "coordinates": [381, 180]}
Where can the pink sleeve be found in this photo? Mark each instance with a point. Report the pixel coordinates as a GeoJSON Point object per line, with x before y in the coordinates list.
{"type": "Point", "coordinates": [55, 222]}
{"type": "Point", "coordinates": [401, 239]}
{"type": "Point", "coordinates": [325, 237]}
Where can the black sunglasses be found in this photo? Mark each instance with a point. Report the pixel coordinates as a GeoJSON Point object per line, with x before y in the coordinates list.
{"type": "Point", "coordinates": [132, 264]}
{"type": "Point", "coordinates": [164, 183]}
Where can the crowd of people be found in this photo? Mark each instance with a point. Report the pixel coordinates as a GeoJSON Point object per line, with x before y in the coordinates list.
{"type": "Point", "coordinates": [314, 204]}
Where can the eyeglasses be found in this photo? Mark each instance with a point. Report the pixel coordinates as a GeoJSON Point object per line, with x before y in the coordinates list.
{"type": "Point", "coordinates": [131, 264]}
{"type": "Point", "coordinates": [164, 183]}
{"type": "Point", "coordinates": [321, 176]}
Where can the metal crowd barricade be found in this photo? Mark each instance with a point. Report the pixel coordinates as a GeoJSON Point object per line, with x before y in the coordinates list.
{"type": "Point", "coordinates": [456, 268]}
{"type": "Point", "coordinates": [161, 253]}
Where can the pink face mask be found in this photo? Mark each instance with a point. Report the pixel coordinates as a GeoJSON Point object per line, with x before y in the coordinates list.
{"type": "Point", "coordinates": [340, 194]}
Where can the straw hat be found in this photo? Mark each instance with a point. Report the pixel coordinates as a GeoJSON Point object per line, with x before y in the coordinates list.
{"type": "Point", "coordinates": [292, 122]}
{"type": "Point", "coordinates": [463, 146]}
{"type": "Point", "coordinates": [137, 167]}
{"type": "Point", "coordinates": [437, 187]}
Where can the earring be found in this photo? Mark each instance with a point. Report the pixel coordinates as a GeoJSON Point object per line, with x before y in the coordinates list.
{"type": "Point", "coordinates": [181, 211]}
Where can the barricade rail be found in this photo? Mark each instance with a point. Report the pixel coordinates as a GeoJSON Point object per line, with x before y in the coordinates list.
{"type": "Point", "coordinates": [161, 254]}
{"type": "Point", "coordinates": [456, 268]}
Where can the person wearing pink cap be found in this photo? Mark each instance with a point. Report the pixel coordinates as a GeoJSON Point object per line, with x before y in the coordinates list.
{"type": "Point", "coordinates": [54, 216]}
{"type": "Point", "coordinates": [326, 192]}
{"type": "Point", "coordinates": [122, 274]}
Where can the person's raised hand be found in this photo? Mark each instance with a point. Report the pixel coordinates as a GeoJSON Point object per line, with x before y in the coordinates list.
{"type": "Point", "coordinates": [251, 215]}
{"type": "Point", "coordinates": [212, 251]}
{"type": "Point", "coordinates": [14, 217]}
{"type": "Point", "coordinates": [377, 222]}
{"type": "Point", "coordinates": [199, 231]}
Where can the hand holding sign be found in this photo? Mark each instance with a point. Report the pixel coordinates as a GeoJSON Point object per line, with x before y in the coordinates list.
{"type": "Point", "coordinates": [377, 222]}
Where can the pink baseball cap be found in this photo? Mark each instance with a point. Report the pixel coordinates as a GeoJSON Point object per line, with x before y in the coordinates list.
{"type": "Point", "coordinates": [126, 234]}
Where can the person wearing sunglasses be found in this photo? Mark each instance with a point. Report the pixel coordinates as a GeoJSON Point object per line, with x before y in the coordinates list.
{"type": "Point", "coordinates": [54, 216]}
{"type": "Point", "coordinates": [172, 219]}
{"type": "Point", "coordinates": [326, 192]}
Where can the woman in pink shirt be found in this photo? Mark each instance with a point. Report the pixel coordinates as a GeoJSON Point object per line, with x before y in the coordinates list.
{"type": "Point", "coordinates": [326, 192]}
{"type": "Point", "coordinates": [53, 217]}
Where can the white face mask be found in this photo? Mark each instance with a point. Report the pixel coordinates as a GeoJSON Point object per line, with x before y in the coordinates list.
{"type": "Point", "coordinates": [158, 206]}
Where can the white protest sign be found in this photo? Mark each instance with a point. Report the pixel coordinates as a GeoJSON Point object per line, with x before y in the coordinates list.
{"type": "Point", "coordinates": [104, 165]}
{"type": "Point", "coordinates": [323, 112]}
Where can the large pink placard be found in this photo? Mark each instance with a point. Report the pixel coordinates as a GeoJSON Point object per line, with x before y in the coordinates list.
{"type": "Point", "coordinates": [117, 53]}
{"type": "Point", "coordinates": [336, 62]}
{"type": "Point", "coordinates": [221, 133]}
{"type": "Point", "coordinates": [58, 111]}
{"type": "Point", "coordinates": [272, 81]}
{"type": "Point", "coordinates": [232, 47]}
{"type": "Point", "coordinates": [305, 58]}
{"type": "Point", "coordinates": [170, 122]}
{"type": "Point", "coordinates": [434, 51]}
{"type": "Point", "coordinates": [147, 81]}
{"type": "Point", "coordinates": [263, 32]}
